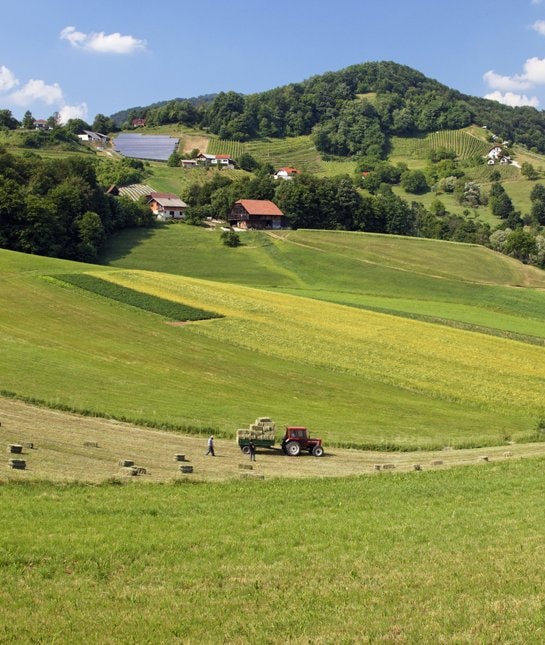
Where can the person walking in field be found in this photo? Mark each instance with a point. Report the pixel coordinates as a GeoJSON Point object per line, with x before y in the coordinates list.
{"type": "Point", "coordinates": [251, 445]}
{"type": "Point", "coordinates": [210, 450]}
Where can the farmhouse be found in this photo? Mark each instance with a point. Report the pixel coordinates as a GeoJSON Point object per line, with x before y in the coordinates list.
{"type": "Point", "coordinates": [225, 161]}
{"type": "Point", "coordinates": [256, 213]}
{"type": "Point", "coordinates": [138, 123]}
{"type": "Point", "coordinates": [286, 173]}
{"type": "Point", "coordinates": [167, 206]}
{"type": "Point", "coordinates": [41, 124]}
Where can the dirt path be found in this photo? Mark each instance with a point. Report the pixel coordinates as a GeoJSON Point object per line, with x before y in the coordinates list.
{"type": "Point", "coordinates": [59, 452]}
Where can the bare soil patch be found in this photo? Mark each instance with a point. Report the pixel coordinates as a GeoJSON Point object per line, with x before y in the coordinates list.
{"type": "Point", "coordinates": [191, 141]}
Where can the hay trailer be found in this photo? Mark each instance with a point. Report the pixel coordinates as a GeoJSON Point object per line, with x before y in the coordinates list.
{"type": "Point", "coordinates": [262, 433]}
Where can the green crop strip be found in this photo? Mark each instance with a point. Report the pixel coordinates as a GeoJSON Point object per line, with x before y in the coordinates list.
{"type": "Point", "coordinates": [167, 308]}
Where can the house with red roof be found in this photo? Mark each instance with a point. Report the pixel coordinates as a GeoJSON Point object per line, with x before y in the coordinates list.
{"type": "Point", "coordinates": [286, 173]}
{"type": "Point", "coordinates": [138, 123]}
{"type": "Point", "coordinates": [166, 206]}
{"type": "Point", "coordinates": [224, 161]}
{"type": "Point", "coordinates": [256, 214]}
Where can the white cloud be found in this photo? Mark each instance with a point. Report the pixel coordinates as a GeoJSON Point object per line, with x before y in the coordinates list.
{"type": "Point", "coordinates": [68, 112]}
{"type": "Point", "coordinates": [7, 79]}
{"type": "Point", "coordinates": [537, 1]}
{"type": "Point", "coordinates": [36, 90]}
{"type": "Point", "coordinates": [102, 43]}
{"type": "Point", "coordinates": [539, 26]}
{"type": "Point", "coordinates": [534, 71]}
{"type": "Point", "coordinates": [514, 100]}
{"type": "Point", "coordinates": [505, 83]}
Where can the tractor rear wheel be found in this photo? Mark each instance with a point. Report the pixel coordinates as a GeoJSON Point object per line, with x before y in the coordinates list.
{"type": "Point", "coordinates": [293, 448]}
{"type": "Point", "coordinates": [317, 451]}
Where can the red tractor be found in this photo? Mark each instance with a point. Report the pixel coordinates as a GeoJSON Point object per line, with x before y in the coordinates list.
{"type": "Point", "coordinates": [296, 439]}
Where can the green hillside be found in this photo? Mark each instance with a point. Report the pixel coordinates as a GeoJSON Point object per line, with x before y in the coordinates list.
{"type": "Point", "coordinates": [354, 375]}
{"type": "Point", "coordinates": [408, 276]}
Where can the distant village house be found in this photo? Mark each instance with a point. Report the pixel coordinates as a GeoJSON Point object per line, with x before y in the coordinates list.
{"type": "Point", "coordinates": [138, 123]}
{"type": "Point", "coordinates": [167, 206]}
{"type": "Point", "coordinates": [286, 173]}
{"type": "Point", "coordinates": [93, 137]}
{"type": "Point", "coordinates": [256, 214]}
{"type": "Point", "coordinates": [497, 155]}
{"type": "Point", "coordinates": [224, 161]}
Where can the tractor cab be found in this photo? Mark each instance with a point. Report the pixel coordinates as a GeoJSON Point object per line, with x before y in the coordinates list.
{"type": "Point", "coordinates": [297, 438]}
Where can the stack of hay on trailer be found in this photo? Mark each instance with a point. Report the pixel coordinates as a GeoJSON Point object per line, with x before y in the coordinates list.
{"type": "Point", "coordinates": [262, 433]}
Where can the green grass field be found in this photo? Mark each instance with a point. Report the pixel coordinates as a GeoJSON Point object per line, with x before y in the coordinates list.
{"type": "Point", "coordinates": [452, 556]}
{"type": "Point", "coordinates": [334, 359]}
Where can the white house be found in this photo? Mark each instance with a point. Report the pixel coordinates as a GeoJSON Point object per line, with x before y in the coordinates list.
{"type": "Point", "coordinates": [166, 206]}
{"type": "Point", "coordinates": [495, 153]}
{"type": "Point", "coordinates": [286, 173]}
{"type": "Point", "coordinates": [225, 161]}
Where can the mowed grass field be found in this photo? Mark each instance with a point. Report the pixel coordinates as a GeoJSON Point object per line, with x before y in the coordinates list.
{"type": "Point", "coordinates": [450, 556]}
{"type": "Point", "coordinates": [356, 377]}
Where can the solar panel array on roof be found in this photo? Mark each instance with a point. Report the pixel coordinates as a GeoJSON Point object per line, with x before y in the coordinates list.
{"type": "Point", "coordinates": [142, 146]}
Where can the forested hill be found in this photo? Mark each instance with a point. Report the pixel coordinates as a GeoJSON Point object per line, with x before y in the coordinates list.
{"type": "Point", "coordinates": [354, 111]}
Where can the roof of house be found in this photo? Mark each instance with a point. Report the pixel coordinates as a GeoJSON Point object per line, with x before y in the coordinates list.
{"type": "Point", "coordinates": [168, 200]}
{"type": "Point", "coordinates": [222, 156]}
{"type": "Point", "coordinates": [290, 171]}
{"type": "Point", "coordinates": [260, 207]}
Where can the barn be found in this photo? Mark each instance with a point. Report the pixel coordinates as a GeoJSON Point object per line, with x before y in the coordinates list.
{"type": "Point", "coordinates": [256, 214]}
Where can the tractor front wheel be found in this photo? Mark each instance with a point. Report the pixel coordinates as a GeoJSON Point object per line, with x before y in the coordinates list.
{"type": "Point", "coordinates": [317, 451]}
{"type": "Point", "coordinates": [245, 449]}
{"type": "Point", "coordinates": [293, 448]}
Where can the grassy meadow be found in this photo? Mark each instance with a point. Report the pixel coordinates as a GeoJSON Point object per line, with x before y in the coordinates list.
{"type": "Point", "coordinates": [331, 360]}
{"type": "Point", "coordinates": [450, 556]}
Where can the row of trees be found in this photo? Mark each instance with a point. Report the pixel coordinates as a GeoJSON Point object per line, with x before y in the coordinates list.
{"type": "Point", "coordinates": [336, 203]}
{"type": "Point", "coordinates": [59, 208]}
{"type": "Point", "coordinates": [331, 203]}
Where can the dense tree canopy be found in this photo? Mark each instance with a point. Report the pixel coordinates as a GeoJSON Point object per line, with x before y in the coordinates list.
{"type": "Point", "coordinates": [59, 208]}
{"type": "Point", "coordinates": [352, 111]}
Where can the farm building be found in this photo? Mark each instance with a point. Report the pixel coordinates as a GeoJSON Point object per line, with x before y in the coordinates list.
{"type": "Point", "coordinates": [256, 213]}
{"type": "Point", "coordinates": [41, 124]}
{"type": "Point", "coordinates": [138, 123]}
{"type": "Point", "coordinates": [225, 161]}
{"type": "Point", "coordinates": [167, 206]}
{"type": "Point", "coordinates": [286, 173]}
{"type": "Point", "coordinates": [93, 137]}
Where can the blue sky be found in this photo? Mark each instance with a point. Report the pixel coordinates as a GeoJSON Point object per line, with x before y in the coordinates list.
{"type": "Point", "coordinates": [103, 56]}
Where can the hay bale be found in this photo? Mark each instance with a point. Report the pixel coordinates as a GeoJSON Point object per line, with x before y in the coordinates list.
{"type": "Point", "coordinates": [132, 471]}
{"type": "Point", "coordinates": [27, 444]}
{"type": "Point", "coordinates": [252, 476]}
{"type": "Point", "coordinates": [186, 469]}
{"type": "Point", "coordinates": [378, 467]}
{"type": "Point", "coordinates": [90, 444]}
{"type": "Point", "coordinates": [507, 453]}
{"type": "Point", "coordinates": [484, 458]}
{"type": "Point", "coordinates": [246, 466]}
{"type": "Point", "coordinates": [388, 466]}
{"type": "Point", "coordinates": [126, 463]}
{"type": "Point", "coordinates": [18, 464]}
{"type": "Point", "coordinates": [417, 467]}
{"type": "Point", "coordinates": [179, 457]}
{"type": "Point", "coordinates": [15, 448]}
{"type": "Point", "coordinates": [140, 470]}
{"type": "Point", "coordinates": [437, 462]}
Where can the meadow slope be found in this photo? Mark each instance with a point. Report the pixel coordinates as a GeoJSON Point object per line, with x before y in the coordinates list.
{"type": "Point", "coordinates": [354, 376]}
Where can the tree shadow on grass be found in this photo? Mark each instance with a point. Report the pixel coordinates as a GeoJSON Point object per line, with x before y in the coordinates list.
{"type": "Point", "coordinates": [121, 244]}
